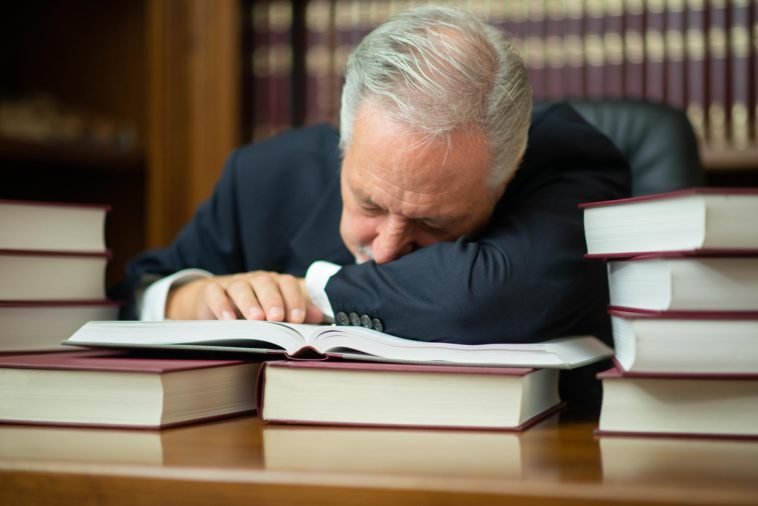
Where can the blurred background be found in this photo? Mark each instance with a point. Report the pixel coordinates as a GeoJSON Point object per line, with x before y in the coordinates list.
{"type": "Point", "coordinates": [137, 103]}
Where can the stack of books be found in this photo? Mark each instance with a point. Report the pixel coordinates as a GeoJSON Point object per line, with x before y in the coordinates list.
{"type": "Point", "coordinates": [343, 376]}
{"type": "Point", "coordinates": [52, 265]}
{"type": "Point", "coordinates": [683, 281]}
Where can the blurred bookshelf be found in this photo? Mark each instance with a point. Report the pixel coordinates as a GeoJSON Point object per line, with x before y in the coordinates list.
{"type": "Point", "coordinates": [695, 55]}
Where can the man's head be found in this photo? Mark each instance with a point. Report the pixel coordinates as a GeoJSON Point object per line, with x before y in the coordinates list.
{"type": "Point", "coordinates": [434, 120]}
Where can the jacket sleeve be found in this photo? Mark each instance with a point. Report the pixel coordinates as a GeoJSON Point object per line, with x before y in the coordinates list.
{"type": "Point", "coordinates": [525, 278]}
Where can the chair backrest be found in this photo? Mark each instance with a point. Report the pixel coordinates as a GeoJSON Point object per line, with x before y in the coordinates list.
{"type": "Point", "coordinates": [657, 140]}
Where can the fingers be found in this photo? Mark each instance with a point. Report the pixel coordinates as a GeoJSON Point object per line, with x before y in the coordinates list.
{"type": "Point", "coordinates": [269, 294]}
{"type": "Point", "coordinates": [217, 302]}
{"type": "Point", "coordinates": [260, 295]}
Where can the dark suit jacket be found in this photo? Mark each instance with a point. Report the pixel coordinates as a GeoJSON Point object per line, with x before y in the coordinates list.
{"type": "Point", "coordinates": [277, 207]}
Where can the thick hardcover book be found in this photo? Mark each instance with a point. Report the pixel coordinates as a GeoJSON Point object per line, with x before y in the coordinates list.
{"type": "Point", "coordinates": [686, 342]}
{"type": "Point", "coordinates": [52, 226]}
{"type": "Point", "coordinates": [674, 44]}
{"type": "Point", "coordinates": [702, 406]}
{"type": "Point", "coordinates": [573, 39]}
{"type": "Point", "coordinates": [319, 62]}
{"type": "Point", "coordinates": [685, 283]}
{"type": "Point", "coordinates": [595, 48]}
{"type": "Point", "coordinates": [115, 389]}
{"type": "Point", "coordinates": [406, 395]}
{"type": "Point", "coordinates": [697, 77]}
{"type": "Point", "coordinates": [535, 54]}
{"type": "Point", "coordinates": [52, 275]}
{"type": "Point", "coordinates": [634, 48]}
{"type": "Point", "coordinates": [613, 39]}
{"type": "Point", "coordinates": [741, 89]}
{"type": "Point", "coordinates": [42, 325]}
{"type": "Point", "coordinates": [316, 341]}
{"type": "Point", "coordinates": [655, 51]}
{"type": "Point", "coordinates": [699, 219]}
{"type": "Point", "coordinates": [555, 50]}
{"type": "Point", "coordinates": [718, 73]}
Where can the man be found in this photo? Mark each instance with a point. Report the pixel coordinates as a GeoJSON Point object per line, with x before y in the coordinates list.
{"type": "Point", "coordinates": [416, 220]}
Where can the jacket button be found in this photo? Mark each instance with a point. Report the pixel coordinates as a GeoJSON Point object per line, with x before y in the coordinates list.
{"type": "Point", "coordinates": [366, 321]}
{"type": "Point", "coordinates": [377, 324]}
{"type": "Point", "coordinates": [355, 319]}
{"type": "Point", "coordinates": [342, 318]}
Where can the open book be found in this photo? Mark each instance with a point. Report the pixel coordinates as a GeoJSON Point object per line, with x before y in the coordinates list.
{"type": "Point", "coordinates": [352, 343]}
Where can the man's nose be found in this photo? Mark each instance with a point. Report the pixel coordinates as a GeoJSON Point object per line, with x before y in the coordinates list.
{"type": "Point", "coordinates": [393, 240]}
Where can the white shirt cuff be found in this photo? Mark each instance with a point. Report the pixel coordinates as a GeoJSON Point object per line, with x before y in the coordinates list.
{"type": "Point", "coordinates": [315, 282]}
{"type": "Point", "coordinates": [151, 304]}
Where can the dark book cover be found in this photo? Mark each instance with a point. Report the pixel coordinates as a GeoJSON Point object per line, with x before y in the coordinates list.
{"type": "Point", "coordinates": [675, 67]}
{"type": "Point", "coordinates": [696, 68]}
{"type": "Point", "coordinates": [595, 50]}
{"type": "Point", "coordinates": [719, 79]}
{"type": "Point", "coordinates": [634, 47]}
{"type": "Point", "coordinates": [613, 40]}
{"type": "Point", "coordinates": [655, 51]}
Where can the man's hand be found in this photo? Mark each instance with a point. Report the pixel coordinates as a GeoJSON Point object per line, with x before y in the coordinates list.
{"type": "Point", "coordinates": [257, 295]}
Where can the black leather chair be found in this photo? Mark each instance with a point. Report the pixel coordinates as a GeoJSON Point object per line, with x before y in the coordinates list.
{"type": "Point", "coordinates": [657, 140]}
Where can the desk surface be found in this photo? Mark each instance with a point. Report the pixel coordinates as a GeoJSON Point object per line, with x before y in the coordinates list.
{"type": "Point", "coordinates": [242, 461]}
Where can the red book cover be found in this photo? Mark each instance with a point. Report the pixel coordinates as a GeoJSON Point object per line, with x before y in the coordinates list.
{"type": "Point", "coordinates": [573, 39]}
{"type": "Point", "coordinates": [319, 61]}
{"type": "Point", "coordinates": [618, 373]}
{"type": "Point", "coordinates": [697, 75]}
{"type": "Point", "coordinates": [634, 47]}
{"type": "Point", "coordinates": [741, 90]}
{"type": "Point", "coordinates": [106, 361]}
{"type": "Point", "coordinates": [673, 194]}
{"type": "Point", "coordinates": [280, 64]}
{"type": "Point", "coordinates": [595, 50]}
{"type": "Point", "coordinates": [261, 113]}
{"type": "Point", "coordinates": [655, 51]}
{"type": "Point", "coordinates": [631, 313]}
{"type": "Point", "coordinates": [555, 50]}
{"type": "Point", "coordinates": [399, 368]}
{"type": "Point", "coordinates": [535, 55]}
{"type": "Point", "coordinates": [674, 42]}
{"type": "Point", "coordinates": [719, 74]}
{"type": "Point", "coordinates": [71, 205]}
{"type": "Point", "coordinates": [613, 40]}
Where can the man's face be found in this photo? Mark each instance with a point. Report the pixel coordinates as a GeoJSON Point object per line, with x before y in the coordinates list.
{"type": "Point", "coordinates": [400, 194]}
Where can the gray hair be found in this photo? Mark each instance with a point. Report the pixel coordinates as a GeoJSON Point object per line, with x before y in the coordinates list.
{"type": "Point", "coordinates": [439, 69]}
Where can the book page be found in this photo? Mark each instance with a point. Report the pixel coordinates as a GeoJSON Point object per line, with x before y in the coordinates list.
{"type": "Point", "coordinates": [372, 345]}
{"type": "Point", "coordinates": [249, 335]}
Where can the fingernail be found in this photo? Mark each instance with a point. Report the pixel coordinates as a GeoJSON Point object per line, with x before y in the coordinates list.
{"type": "Point", "coordinates": [256, 313]}
{"type": "Point", "coordinates": [275, 312]}
{"type": "Point", "coordinates": [227, 315]}
{"type": "Point", "coordinates": [296, 314]}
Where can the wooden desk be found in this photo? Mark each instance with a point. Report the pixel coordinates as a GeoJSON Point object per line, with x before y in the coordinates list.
{"type": "Point", "coordinates": [242, 461]}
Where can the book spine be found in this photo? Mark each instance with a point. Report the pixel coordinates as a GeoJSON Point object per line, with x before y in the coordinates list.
{"type": "Point", "coordinates": [280, 64]}
{"type": "Point", "coordinates": [573, 32]}
{"type": "Point", "coordinates": [614, 48]}
{"type": "Point", "coordinates": [718, 72]}
{"type": "Point", "coordinates": [535, 53]}
{"type": "Point", "coordinates": [594, 48]}
{"type": "Point", "coordinates": [319, 61]}
{"type": "Point", "coordinates": [675, 68]}
{"type": "Point", "coordinates": [739, 49]}
{"type": "Point", "coordinates": [261, 113]}
{"type": "Point", "coordinates": [634, 44]}
{"type": "Point", "coordinates": [655, 66]}
{"type": "Point", "coordinates": [555, 51]}
{"type": "Point", "coordinates": [515, 24]}
{"type": "Point", "coordinates": [695, 42]}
